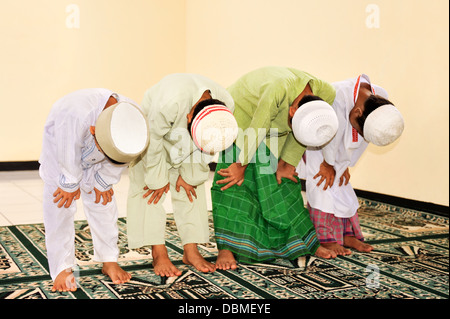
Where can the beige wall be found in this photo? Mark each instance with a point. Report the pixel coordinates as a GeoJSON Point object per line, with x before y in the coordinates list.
{"type": "Point", "coordinates": [125, 46]}
{"type": "Point", "coordinates": [407, 55]}
{"type": "Point", "coordinates": [129, 45]}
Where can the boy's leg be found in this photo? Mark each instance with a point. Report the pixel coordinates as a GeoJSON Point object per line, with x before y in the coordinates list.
{"type": "Point", "coordinates": [102, 221]}
{"type": "Point", "coordinates": [353, 237]}
{"type": "Point", "coordinates": [59, 240]}
{"type": "Point", "coordinates": [329, 231]}
{"type": "Point", "coordinates": [192, 223]}
{"type": "Point", "coordinates": [161, 262]}
{"type": "Point", "coordinates": [225, 260]}
{"type": "Point", "coordinates": [192, 256]}
{"type": "Point", "coordinates": [146, 224]}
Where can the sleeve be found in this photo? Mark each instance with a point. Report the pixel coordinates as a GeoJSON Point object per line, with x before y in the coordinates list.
{"type": "Point", "coordinates": [195, 169]}
{"type": "Point", "coordinates": [69, 134]}
{"type": "Point", "coordinates": [324, 90]}
{"type": "Point", "coordinates": [107, 175]}
{"type": "Point", "coordinates": [266, 111]}
{"type": "Point", "coordinates": [160, 121]}
{"type": "Point", "coordinates": [225, 97]}
{"type": "Point", "coordinates": [292, 151]}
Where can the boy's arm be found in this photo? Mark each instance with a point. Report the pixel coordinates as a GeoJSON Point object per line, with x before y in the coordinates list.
{"type": "Point", "coordinates": [107, 175]}
{"type": "Point", "coordinates": [69, 136]}
{"type": "Point", "coordinates": [154, 159]}
{"type": "Point", "coordinates": [266, 110]}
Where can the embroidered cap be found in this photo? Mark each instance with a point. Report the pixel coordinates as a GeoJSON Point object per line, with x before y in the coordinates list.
{"type": "Point", "coordinates": [214, 129]}
{"type": "Point", "coordinates": [315, 123]}
{"type": "Point", "coordinates": [122, 132]}
{"type": "Point", "coordinates": [383, 125]}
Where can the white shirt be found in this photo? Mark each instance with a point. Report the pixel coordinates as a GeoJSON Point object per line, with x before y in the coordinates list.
{"type": "Point", "coordinates": [69, 157]}
{"type": "Point", "coordinates": [166, 106]}
{"type": "Point", "coordinates": [342, 151]}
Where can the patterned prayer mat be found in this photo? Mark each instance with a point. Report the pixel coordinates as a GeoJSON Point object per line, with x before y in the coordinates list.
{"type": "Point", "coordinates": [410, 261]}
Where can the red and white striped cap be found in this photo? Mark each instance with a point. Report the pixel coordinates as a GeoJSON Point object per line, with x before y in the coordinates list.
{"type": "Point", "coordinates": [214, 129]}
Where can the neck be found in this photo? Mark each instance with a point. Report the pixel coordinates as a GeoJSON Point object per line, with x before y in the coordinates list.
{"type": "Point", "coordinates": [365, 91]}
{"type": "Point", "coordinates": [205, 96]}
{"type": "Point", "coordinates": [111, 101]}
{"type": "Point", "coordinates": [306, 91]}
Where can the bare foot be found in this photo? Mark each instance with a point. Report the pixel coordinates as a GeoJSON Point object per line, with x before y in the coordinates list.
{"type": "Point", "coordinates": [65, 281]}
{"type": "Point", "coordinates": [324, 252]}
{"type": "Point", "coordinates": [191, 256]}
{"type": "Point", "coordinates": [225, 260]}
{"type": "Point", "coordinates": [353, 242]}
{"type": "Point", "coordinates": [338, 249]}
{"type": "Point", "coordinates": [162, 265]}
{"type": "Point", "coordinates": [117, 274]}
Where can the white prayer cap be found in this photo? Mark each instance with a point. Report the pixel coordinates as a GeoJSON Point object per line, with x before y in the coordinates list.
{"type": "Point", "coordinates": [315, 123]}
{"type": "Point", "coordinates": [121, 131]}
{"type": "Point", "coordinates": [383, 125]}
{"type": "Point", "coordinates": [214, 129]}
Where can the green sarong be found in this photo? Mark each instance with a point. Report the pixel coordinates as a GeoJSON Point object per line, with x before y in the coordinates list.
{"type": "Point", "coordinates": [261, 220]}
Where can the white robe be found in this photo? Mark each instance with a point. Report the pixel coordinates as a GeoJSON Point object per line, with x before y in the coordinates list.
{"type": "Point", "coordinates": [342, 151]}
{"type": "Point", "coordinates": [70, 160]}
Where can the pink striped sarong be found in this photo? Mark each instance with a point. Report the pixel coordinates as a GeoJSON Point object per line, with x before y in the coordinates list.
{"type": "Point", "coordinates": [330, 228]}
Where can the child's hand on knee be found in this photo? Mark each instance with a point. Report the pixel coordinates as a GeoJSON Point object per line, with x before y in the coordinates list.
{"type": "Point", "coordinates": [65, 198]}
{"type": "Point", "coordinates": [106, 196]}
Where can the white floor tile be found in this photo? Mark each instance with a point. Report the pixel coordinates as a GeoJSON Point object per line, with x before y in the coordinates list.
{"type": "Point", "coordinates": [4, 221]}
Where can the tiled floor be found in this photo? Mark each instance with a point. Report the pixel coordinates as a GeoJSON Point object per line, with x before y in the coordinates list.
{"type": "Point", "coordinates": [21, 198]}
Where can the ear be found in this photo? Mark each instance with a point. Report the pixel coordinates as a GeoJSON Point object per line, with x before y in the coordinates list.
{"type": "Point", "coordinates": [92, 130]}
{"type": "Point", "coordinates": [359, 112]}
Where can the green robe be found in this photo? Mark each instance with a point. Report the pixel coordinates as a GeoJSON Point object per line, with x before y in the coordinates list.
{"type": "Point", "coordinates": [262, 220]}
{"type": "Point", "coordinates": [262, 100]}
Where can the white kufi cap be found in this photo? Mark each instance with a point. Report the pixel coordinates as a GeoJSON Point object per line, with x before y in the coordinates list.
{"type": "Point", "coordinates": [315, 123]}
{"type": "Point", "coordinates": [214, 129]}
{"type": "Point", "coordinates": [121, 131]}
{"type": "Point", "coordinates": [383, 125]}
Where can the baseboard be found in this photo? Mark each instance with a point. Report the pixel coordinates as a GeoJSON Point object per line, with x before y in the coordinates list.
{"type": "Point", "coordinates": [19, 166]}
{"type": "Point", "coordinates": [388, 199]}
{"type": "Point", "coordinates": [405, 202]}
{"type": "Point", "coordinates": [440, 210]}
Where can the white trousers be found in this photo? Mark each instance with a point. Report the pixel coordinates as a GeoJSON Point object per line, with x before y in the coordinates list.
{"type": "Point", "coordinates": [60, 230]}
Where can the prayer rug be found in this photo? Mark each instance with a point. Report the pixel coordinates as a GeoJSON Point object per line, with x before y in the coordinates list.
{"type": "Point", "coordinates": [410, 260]}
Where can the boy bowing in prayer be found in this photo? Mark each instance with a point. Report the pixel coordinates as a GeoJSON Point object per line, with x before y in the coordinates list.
{"type": "Point", "coordinates": [365, 116]}
{"type": "Point", "coordinates": [174, 162]}
{"type": "Point", "coordinates": [89, 136]}
{"type": "Point", "coordinates": [256, 195]}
